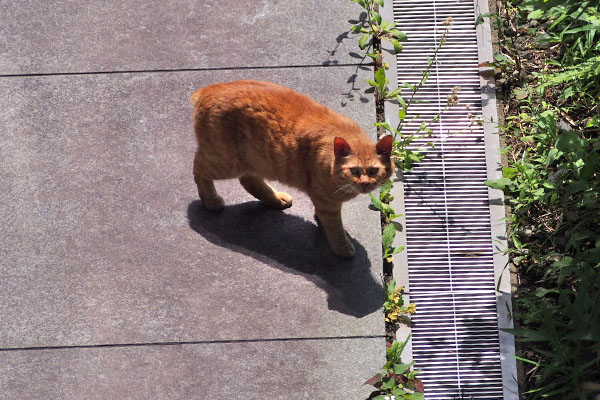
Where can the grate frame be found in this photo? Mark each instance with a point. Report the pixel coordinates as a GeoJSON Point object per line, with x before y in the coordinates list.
{"type": "Point", "coordinates": [453, 267]}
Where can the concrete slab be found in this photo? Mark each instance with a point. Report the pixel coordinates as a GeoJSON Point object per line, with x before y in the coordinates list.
{"type": "Point", "coordinates": [56, 36]}
{"type": "Point", "coordinates": [313, 369]}
{"type": "Point", "coordinates": [104, 240]}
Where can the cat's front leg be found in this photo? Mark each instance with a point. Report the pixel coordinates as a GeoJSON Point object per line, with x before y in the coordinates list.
{"type": "Point", "coordinates": [330, 216]}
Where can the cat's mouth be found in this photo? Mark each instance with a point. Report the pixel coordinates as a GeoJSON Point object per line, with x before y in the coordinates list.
{"type": "Point", "coordinates": [366, 189]}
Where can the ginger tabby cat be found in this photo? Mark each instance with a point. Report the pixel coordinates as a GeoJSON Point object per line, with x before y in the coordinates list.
{"type": "Point", "coordinates": [255, 130]}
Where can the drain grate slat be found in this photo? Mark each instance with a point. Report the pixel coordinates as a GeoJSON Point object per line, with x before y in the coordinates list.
{"type": "Point", "coordinates": [451, 259]}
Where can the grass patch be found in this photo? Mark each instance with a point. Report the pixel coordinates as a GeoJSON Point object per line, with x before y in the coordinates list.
{"type": "Point", "coordinates": [549, 71]}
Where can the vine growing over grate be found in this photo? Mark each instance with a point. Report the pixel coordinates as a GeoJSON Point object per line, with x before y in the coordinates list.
{"type": "Point", "coordinates": [397, 380]}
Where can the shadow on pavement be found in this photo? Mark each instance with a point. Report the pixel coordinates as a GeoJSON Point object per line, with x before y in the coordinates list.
{"type": "Point", "coordinates": [293, 245]}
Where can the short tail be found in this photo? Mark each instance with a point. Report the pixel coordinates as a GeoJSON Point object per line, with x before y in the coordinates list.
{"type": "Point", "coordinates": [196, 96]}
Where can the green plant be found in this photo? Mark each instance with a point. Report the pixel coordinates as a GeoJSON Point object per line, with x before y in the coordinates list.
{"type": "Point", "coordinates": [382, 204]}
{"type": "Point", "coordinates": [403, 155]}
{"type": "Point", "coordinates": [553, 189]}
{"type": "Point", "coordinates": [552, 185]}
{"type": "Point", "coordinates": [394, 308]}
{"type": "Point", "coordinates": [397, 380]}
{"type": "Point", "coordinates": [376, 29]}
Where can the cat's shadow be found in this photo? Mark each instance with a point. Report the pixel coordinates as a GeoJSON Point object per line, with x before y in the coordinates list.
{"type": "Point", "coordinates": [296, 246]}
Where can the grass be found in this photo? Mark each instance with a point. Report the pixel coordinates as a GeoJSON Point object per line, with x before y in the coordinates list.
{"type": "Point", "coordinates": [549, 71]}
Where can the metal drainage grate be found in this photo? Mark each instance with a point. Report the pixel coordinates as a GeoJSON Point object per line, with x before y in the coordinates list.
{"type": "Point", "coordinates": [449, 252]}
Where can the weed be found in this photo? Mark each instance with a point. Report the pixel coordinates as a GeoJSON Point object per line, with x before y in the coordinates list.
{"type": "Point", "coordinates": [394, 307]}
{"type": "Point", "coordinates": [552, 185]}
{"type": "Point", "coordinates": [397, 381]}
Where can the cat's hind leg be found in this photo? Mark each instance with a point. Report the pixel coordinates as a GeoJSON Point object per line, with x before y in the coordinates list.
{"type": "Point", "coordinates": [257, 187]}
{"type": "Point", "coordinates": [206, 190]}
{"type": "Point", "coordinates": [210, 199]}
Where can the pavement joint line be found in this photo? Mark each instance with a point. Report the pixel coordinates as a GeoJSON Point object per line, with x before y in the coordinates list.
{"type": "Point", "coordinates": [147, 71]}
{"type": "Point", "coordinates": [188, 343]}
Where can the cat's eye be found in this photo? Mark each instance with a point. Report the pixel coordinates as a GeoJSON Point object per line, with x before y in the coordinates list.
{"type": "Point", "coordinates": [372, 172]}
{"type": "Point", "coordinates": [356, 172]}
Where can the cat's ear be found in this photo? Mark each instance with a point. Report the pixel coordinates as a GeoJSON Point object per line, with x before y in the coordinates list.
{"type": "Point", "coordinates": [384, 146]}
{"type": "Point", "coordinates": [341, 148]}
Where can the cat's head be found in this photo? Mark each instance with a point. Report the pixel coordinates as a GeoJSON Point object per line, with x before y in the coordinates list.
{"type": "Point", "coordinates": [363, 167]}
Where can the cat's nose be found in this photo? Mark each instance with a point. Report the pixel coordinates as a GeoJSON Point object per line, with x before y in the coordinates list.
{"type": "Point", "coordinates": [364, 181]}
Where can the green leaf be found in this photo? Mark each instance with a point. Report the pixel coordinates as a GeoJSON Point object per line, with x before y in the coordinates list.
{"type": "Point", "coordinates": [397, 46]}
{"type": "Point", "coordinates": [541, 292]}
{"type": "Point", "coordinates": [384, 190]}
{"type": "Point", "coordinates": [593, 122]}
{"type": "Point", "coordinates": [390, 287]}
{"type": "Point", "coordinates": [402, 102]}
{"type": "Point", "coordinates": [502, 59]}
{"type": "Point", "coordinates": [376, 202]}
{"type": "Point", "coordinates": [380, 78]}
{"type": "Point", "coordinates": [394, 216]}
{"type": "Point", "coordinates": [529, 335]}
{"type": "Point", "coordinates": [397, 225]}
{"type": "Point", "coordinates": [535, 14]}
{"type": "Point", "coordinates": [376, 17]}
{"type": "Point", "coordinates": [401, 368]}
{"type": "Point", "coordinates": [398, 392]}
{"type": "Point", "coordinates": [527, 361]}
{"type": "Point", "coordinates": [387, 209]}
{"type": "Point", "coordinates": [521, 93]}
{"type": "Point", "coordinates": [396, 350]}
{"type": "Point", "coordinates": [363, 42]}
{"type": "Point", "coordinates": [356, 28]}
{"type": "Point", "coordinates": [401, 114]}
{"type": "Point", "coordinates": [388, 235]}
{"type": "Point", "coordinates": [380, 2]}
{"type": "Point", "coordinates": [416, 396]}
{"type": "Point", "coordinates": [395, 92]}
{"type": "Point", "coordinates": [509, 172]}
{"type": "Point", "coordinates": [552, 155]}
{"type": "Point", "coordinates": [386, 125]}
{"type": "Point", "coordinates": [547, 122]}
{"type": "Point", "coordinates": [399, 35]}
{"type": "Point", "coordinates": [398, 249]}
{"type": "Point", "coordinates": [386, 26]}
{"type": "Point", "coordinates": [390, 383]}
{"type": "Point", "coordinates": [568, 142]}
{"type": "Point", "coordinates": [501, 183]}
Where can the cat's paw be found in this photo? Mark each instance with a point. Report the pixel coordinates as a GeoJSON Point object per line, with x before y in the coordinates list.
{"type": "Point", "coordinates": [285, 199]}
{"type": "Point", "coordinates": [281, 201]}
{"type": "Point", "coordinates": [345, 250]}
{"type": "Point", "coordinates": [214, 203]}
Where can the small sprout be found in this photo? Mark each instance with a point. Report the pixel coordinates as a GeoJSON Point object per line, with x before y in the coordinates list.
{"type": "Point", "coordinates": [448, 21]}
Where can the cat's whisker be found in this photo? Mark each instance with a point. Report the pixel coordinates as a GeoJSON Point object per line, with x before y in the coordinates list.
{"type": "Point", "coordinates": [345, 187]}
{"type": "Point", "coordinates": [348, 188]}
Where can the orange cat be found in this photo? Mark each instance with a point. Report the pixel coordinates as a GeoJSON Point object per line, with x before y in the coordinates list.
{"type": "Point", "coordinates": [258, 130]}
